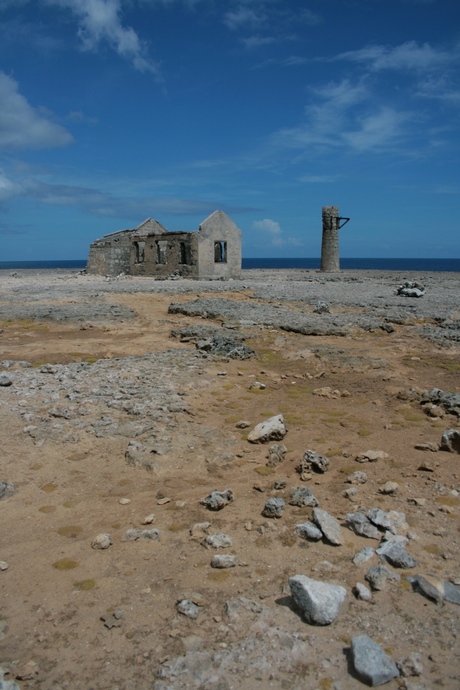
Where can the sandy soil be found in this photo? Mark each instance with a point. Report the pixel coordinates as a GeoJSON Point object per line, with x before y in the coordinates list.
{"type": "Point", "coordinates": [56, 587]}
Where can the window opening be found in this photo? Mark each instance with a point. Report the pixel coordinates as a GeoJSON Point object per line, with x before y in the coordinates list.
{"type": "Point", "coordinates": [161, 251]}
{"type": "Point", "coordinates": [184, 253]}
{"type": "Point", "coordinates": [220, 252]}
{"type": "Point", "coordinates": [140, 252]}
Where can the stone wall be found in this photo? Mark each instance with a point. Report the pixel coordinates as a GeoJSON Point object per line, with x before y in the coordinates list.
{"type": "Point", "coordinates": [219, 247]}
{"type": "Point", "coordinates": [163, 255]}
{"type": "Point", "coordinates": [110, 255]}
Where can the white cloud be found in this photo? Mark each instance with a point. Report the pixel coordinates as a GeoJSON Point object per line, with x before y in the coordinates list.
{"type": "Point", "coordinates": [310, 18]}
{"type": "Point", "coordinates": [270, 228]}
{"type": "Point", "coordinates": [377, 130]}
{"type": "Point", "coordinates": [253, 42]}
{"type": "Point", "coordinates": [242, 18]}
{"type": "Point", "coordinates": [21, 125]}
{"type": "Point", "coordinates": [407, 56]}
{"type": "Point", "coordinates": [99, 22]}
{"type": "Point", "coordinates": [8, 188]}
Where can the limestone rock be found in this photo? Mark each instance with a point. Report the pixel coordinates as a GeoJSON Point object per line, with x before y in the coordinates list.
{"type": "Point", "coordinates": [451, 593]}
{"type": "Point", "coordinates": [102, 541]}
{"type": "Point", "coordinates": [362, 592]}
{"type": "Point", "coordinates": [276, 454]}
{"type": "Point", "coordinates": [410, 665]}
{"type": "Point", "coordinates": [142, 534]}
{"type": "Point", "coordinates": [321, 308]}
{"type": "Point", "coordinates": [6, 489]}
{"type": "Point", "coordinates": [378, 575]}
{"type": "Point", "coordinates": [217, 500]}
{"type": "Point", "coordinates": [188, 608]}
{"type": "Point", "coordinates": [313, 461]}
{"type": "Point", "coordinates": [389, 488]}
{"type": "Point", "coordinates": [396, 555]}
{"type": "Point", "coordinates": [328, 526]}
{"type": "Point", "coordinates": [371, 456]}
{"type": "Point", "coordinates": [302, 497]}
{"type": "Point", "coordinates": [5, 380]}
{"type": "Point", "coordinates": [272, 429]}
{"type": "Point", "coordinates": [223, 561]}
{"type": "Point", "coordinates": [429, 586]}
{"type": "Point", "coordinates": [371, 663]}
{"type": "Point", "coordinates": [450, 441]}
{"type": "Point", "coordinates": [218, 541]}
{"type": "Point", "coordinates": [363, 555]}
{"type": "Point", "coordinates": [318, 601]}
{"type": "Point", "coordinates": [359, 523]}
{"type": "Point", "coordinates": [308, 530]}
{"type": "Point", "coordinates": [274, 508]}
{"type": "Point", "coordinates": [358, 477]}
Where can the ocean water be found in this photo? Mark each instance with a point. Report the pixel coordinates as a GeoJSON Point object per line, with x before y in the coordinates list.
{"type": "Point", "coordinates": [413, 265]}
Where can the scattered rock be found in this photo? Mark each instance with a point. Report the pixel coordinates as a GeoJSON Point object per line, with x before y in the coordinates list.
{"type": "Point", "coordinates": [390, 488]}
{"type": "Point", "coordinates": [371, 456]}
{"type": "Point", "coordinates": [218, 541]}
{"type": "Point", "coordinates": [5, 380]}
{"type": "Point", "coordinates": [276, 454]}
{"type": "Point", "coordinates": [199, 530]}
{"type": "Point", "coordinates": [7, 489]}
{"type": "Point", "coordinates": [112, 620]}
{"type": "Point", "coordinates": [223, 561]}
{"type": "Point", "coordinates": [313, 461]}
{"type": "Point", "coordinates": [272, 429]}
{"type": "Point", "coordinates": [361, 525]}
{"type": "Point", "coordinates": [319, 602]}
{"type": "Point", "coordinates": [378, 575]}
{"type": "Point", "coordinates": [411, 289]}
{"type": "Point", "coordinates": [149, 519]}
{"type": "Point", "coordinates": [431, 447]}
{"type": "Point", "coordinates": [321, 308]}
{"type": "Point", "coordinates": [358, 477]}
{"type": "Point", "coordinates": [363, 555]}
{"type": "Point", "coordinates": [410, 665]}
{"type": "Point", "coordinates": [429, 586]}
{"type": "Point", "coordinates": [451, 593]}
{"type": "Point", "coordinates": [217, 500]}
{"type": "Point", "coordinates": [392, 520]}
{"type": "Point", "coordinates": [362, 592]}
{"type": "Point", "coordinates": [371, 663]}
{"type": "Point", "coordinates": [396, 555]}
{"type": "Point", "coordinates": [243, 424]}
{"type": "Point", "coordinates": [302, 497]}
{"type": "Point", "coordinates": [274, 508]}
{"type": "Point", "coordinates": [450, 441]}
{"type": "Point", "coordinates": [142, 534]}
{"type": "Point", "coordinates": [4, 565]}
{"type": "Point", "coordinates": [124, 501]}
{"type": "Point", "coordinates": [188, 608]}
{"type": "Point", "coordinates": [308, 530]}
{"type": "Point", "coordinates": [102, 541]}
{"type": "Point", "coordinates": [257, 386]}
{"type": "Point", "coordinates": [328, 526]}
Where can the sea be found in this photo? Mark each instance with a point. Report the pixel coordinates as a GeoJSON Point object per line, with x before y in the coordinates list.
{"type": "Point", "coordinates": [412, 265]}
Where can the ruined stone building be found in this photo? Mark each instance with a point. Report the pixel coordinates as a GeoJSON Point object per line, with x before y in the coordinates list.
{"type": "Point", "coordinates": [214, 251]}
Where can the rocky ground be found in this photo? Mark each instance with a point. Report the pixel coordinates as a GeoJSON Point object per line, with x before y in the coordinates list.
{"type": "Point", "coordinates": [126, 402]}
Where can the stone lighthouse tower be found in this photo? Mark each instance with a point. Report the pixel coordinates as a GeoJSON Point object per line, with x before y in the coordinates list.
{"type": "Point", "coordinates": [330, 259]}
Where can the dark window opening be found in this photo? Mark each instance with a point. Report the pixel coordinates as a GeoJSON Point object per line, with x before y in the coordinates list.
{"type": "Point", "coordinates": [184, 253]}
{"type": "Point", "coordinates": [140, 252]}
{"type": "Point", "coordinates": [161, 251]}
{"type": "Point", "coordinates": [220, 252]}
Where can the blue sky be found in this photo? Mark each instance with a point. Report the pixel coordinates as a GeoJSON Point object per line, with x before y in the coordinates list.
{"type": "Point", "coordinates": [115, 110]}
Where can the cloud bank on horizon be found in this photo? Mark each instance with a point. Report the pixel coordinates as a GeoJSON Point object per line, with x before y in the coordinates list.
{"type": "Point", "coordinates": [114, 110]}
